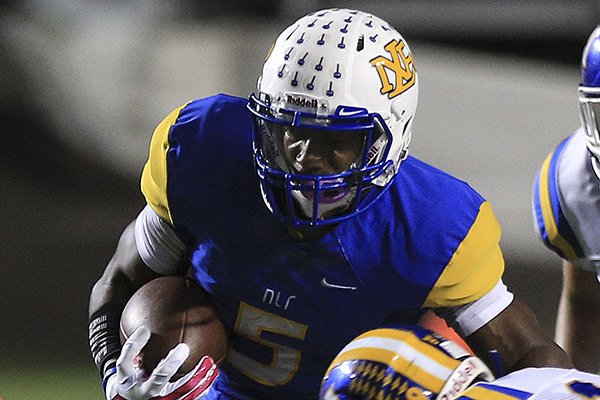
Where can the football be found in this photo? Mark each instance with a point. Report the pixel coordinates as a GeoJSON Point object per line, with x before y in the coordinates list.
{"type": "Point", "coordinates": [175, 310]}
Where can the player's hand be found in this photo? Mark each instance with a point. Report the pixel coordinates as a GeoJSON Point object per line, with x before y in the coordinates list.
{"type": "Point", "coordinates": [130, 381]}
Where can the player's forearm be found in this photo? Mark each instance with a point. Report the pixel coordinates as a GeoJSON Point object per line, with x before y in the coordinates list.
{"type": "Point", "coordinates": [123, 275]}
{"type": "Point", "coordinates": [516, 336]}
{"type": "Point", "coordinates": [548, 355]}
{"type": "Point", "coordinates": [576, 332]}
{"type": "Point", "coordinates": [530, 346]}
{"type": "Point", "coordinates": [105, 294]}
{"type": "Point", "coordinates": [578, 318]}
{"type": "Point", "coordinates": [584, 352]}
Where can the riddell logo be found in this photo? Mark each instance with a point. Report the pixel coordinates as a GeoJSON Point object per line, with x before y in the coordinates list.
{"type": "Point", "coordinates": [302, 102]}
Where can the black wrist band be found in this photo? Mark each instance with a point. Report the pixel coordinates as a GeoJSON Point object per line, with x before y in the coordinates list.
{"type": "Point", "coordinates": [104, 335]}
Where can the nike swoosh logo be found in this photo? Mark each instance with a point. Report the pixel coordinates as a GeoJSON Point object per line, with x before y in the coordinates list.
{"type": "Point", "coordinates": [333, 286]}
{"type": "Point", "coordinates": [346, 113]}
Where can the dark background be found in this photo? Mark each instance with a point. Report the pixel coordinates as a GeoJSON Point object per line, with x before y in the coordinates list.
{"type": "Point", "coordinates": [62, 211]}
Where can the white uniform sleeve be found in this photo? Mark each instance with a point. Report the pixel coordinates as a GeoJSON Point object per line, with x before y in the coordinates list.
{"type": "Point", "coordinates": [538, 384]}
{"type": "Point", "coordinates": [470, 317]}
{"type": "Point", "coordinates": [580, 200]}
{"type": "Point", "coordinates": [158, 244]}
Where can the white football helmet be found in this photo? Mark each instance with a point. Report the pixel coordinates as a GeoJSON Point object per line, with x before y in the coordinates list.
{"type": "Point", "coordinates": [335, 70]}
{"type": "Point", "coordinates": [589, 96]}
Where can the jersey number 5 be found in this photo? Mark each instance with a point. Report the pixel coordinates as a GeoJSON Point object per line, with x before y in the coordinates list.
{"type": "Point", "coordinates": [251, 323]}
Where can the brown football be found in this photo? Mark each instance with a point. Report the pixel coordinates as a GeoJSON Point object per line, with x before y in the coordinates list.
{"type": "Point", "coordinates": [175, 310]}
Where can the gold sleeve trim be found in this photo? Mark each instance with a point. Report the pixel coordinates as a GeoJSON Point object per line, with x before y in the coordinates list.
{"type": "Point", "coordinates": [154, 175]}
{"type": "Point", "coordinates": [482, 393]}
{"type": "Point", "coordinates": [475, 267]}
{"type": "Point", "coordinates": [554, 236]}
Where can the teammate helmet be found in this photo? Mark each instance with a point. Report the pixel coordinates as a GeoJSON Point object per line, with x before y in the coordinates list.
{"type": "Point", "coordinates": [333, 73]}
{"type": "Point", "coordinates": [401, 362]}
{"type": "Point", "coordinates": [589, 96]}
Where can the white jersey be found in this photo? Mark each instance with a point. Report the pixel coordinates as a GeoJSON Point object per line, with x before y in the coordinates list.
{"type": "Point", "coordinates": [566, 204]}
{"type": "Point", "coordinates": [537, 384]}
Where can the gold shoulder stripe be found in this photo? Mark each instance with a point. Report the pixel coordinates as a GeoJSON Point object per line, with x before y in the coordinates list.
{"type": "Point", "coordinates": [475, 267]}
{"type": "Point", "coordinates": [154, 175]}
{"type": "Point", "coordinates": [482, 393]}
{"type": "Point", "coordinates": [546, 205]}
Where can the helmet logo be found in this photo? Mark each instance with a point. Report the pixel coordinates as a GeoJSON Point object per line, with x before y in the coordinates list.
{"type": "Point", "coordinates": [402, 66]}
{"type": "Point", "coordinates": [302, 102]}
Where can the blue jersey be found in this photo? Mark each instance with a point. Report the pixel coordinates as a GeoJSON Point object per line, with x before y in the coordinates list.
{"type": "Point", "coordinates": [291, 305]}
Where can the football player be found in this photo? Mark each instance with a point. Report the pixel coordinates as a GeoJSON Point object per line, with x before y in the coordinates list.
{"type": "Point", "coordinates": [566, 207]}
{"type": "Point", "coordinates": [404, 362]}
{"type": "Point", "coordinates": [302, 214]}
